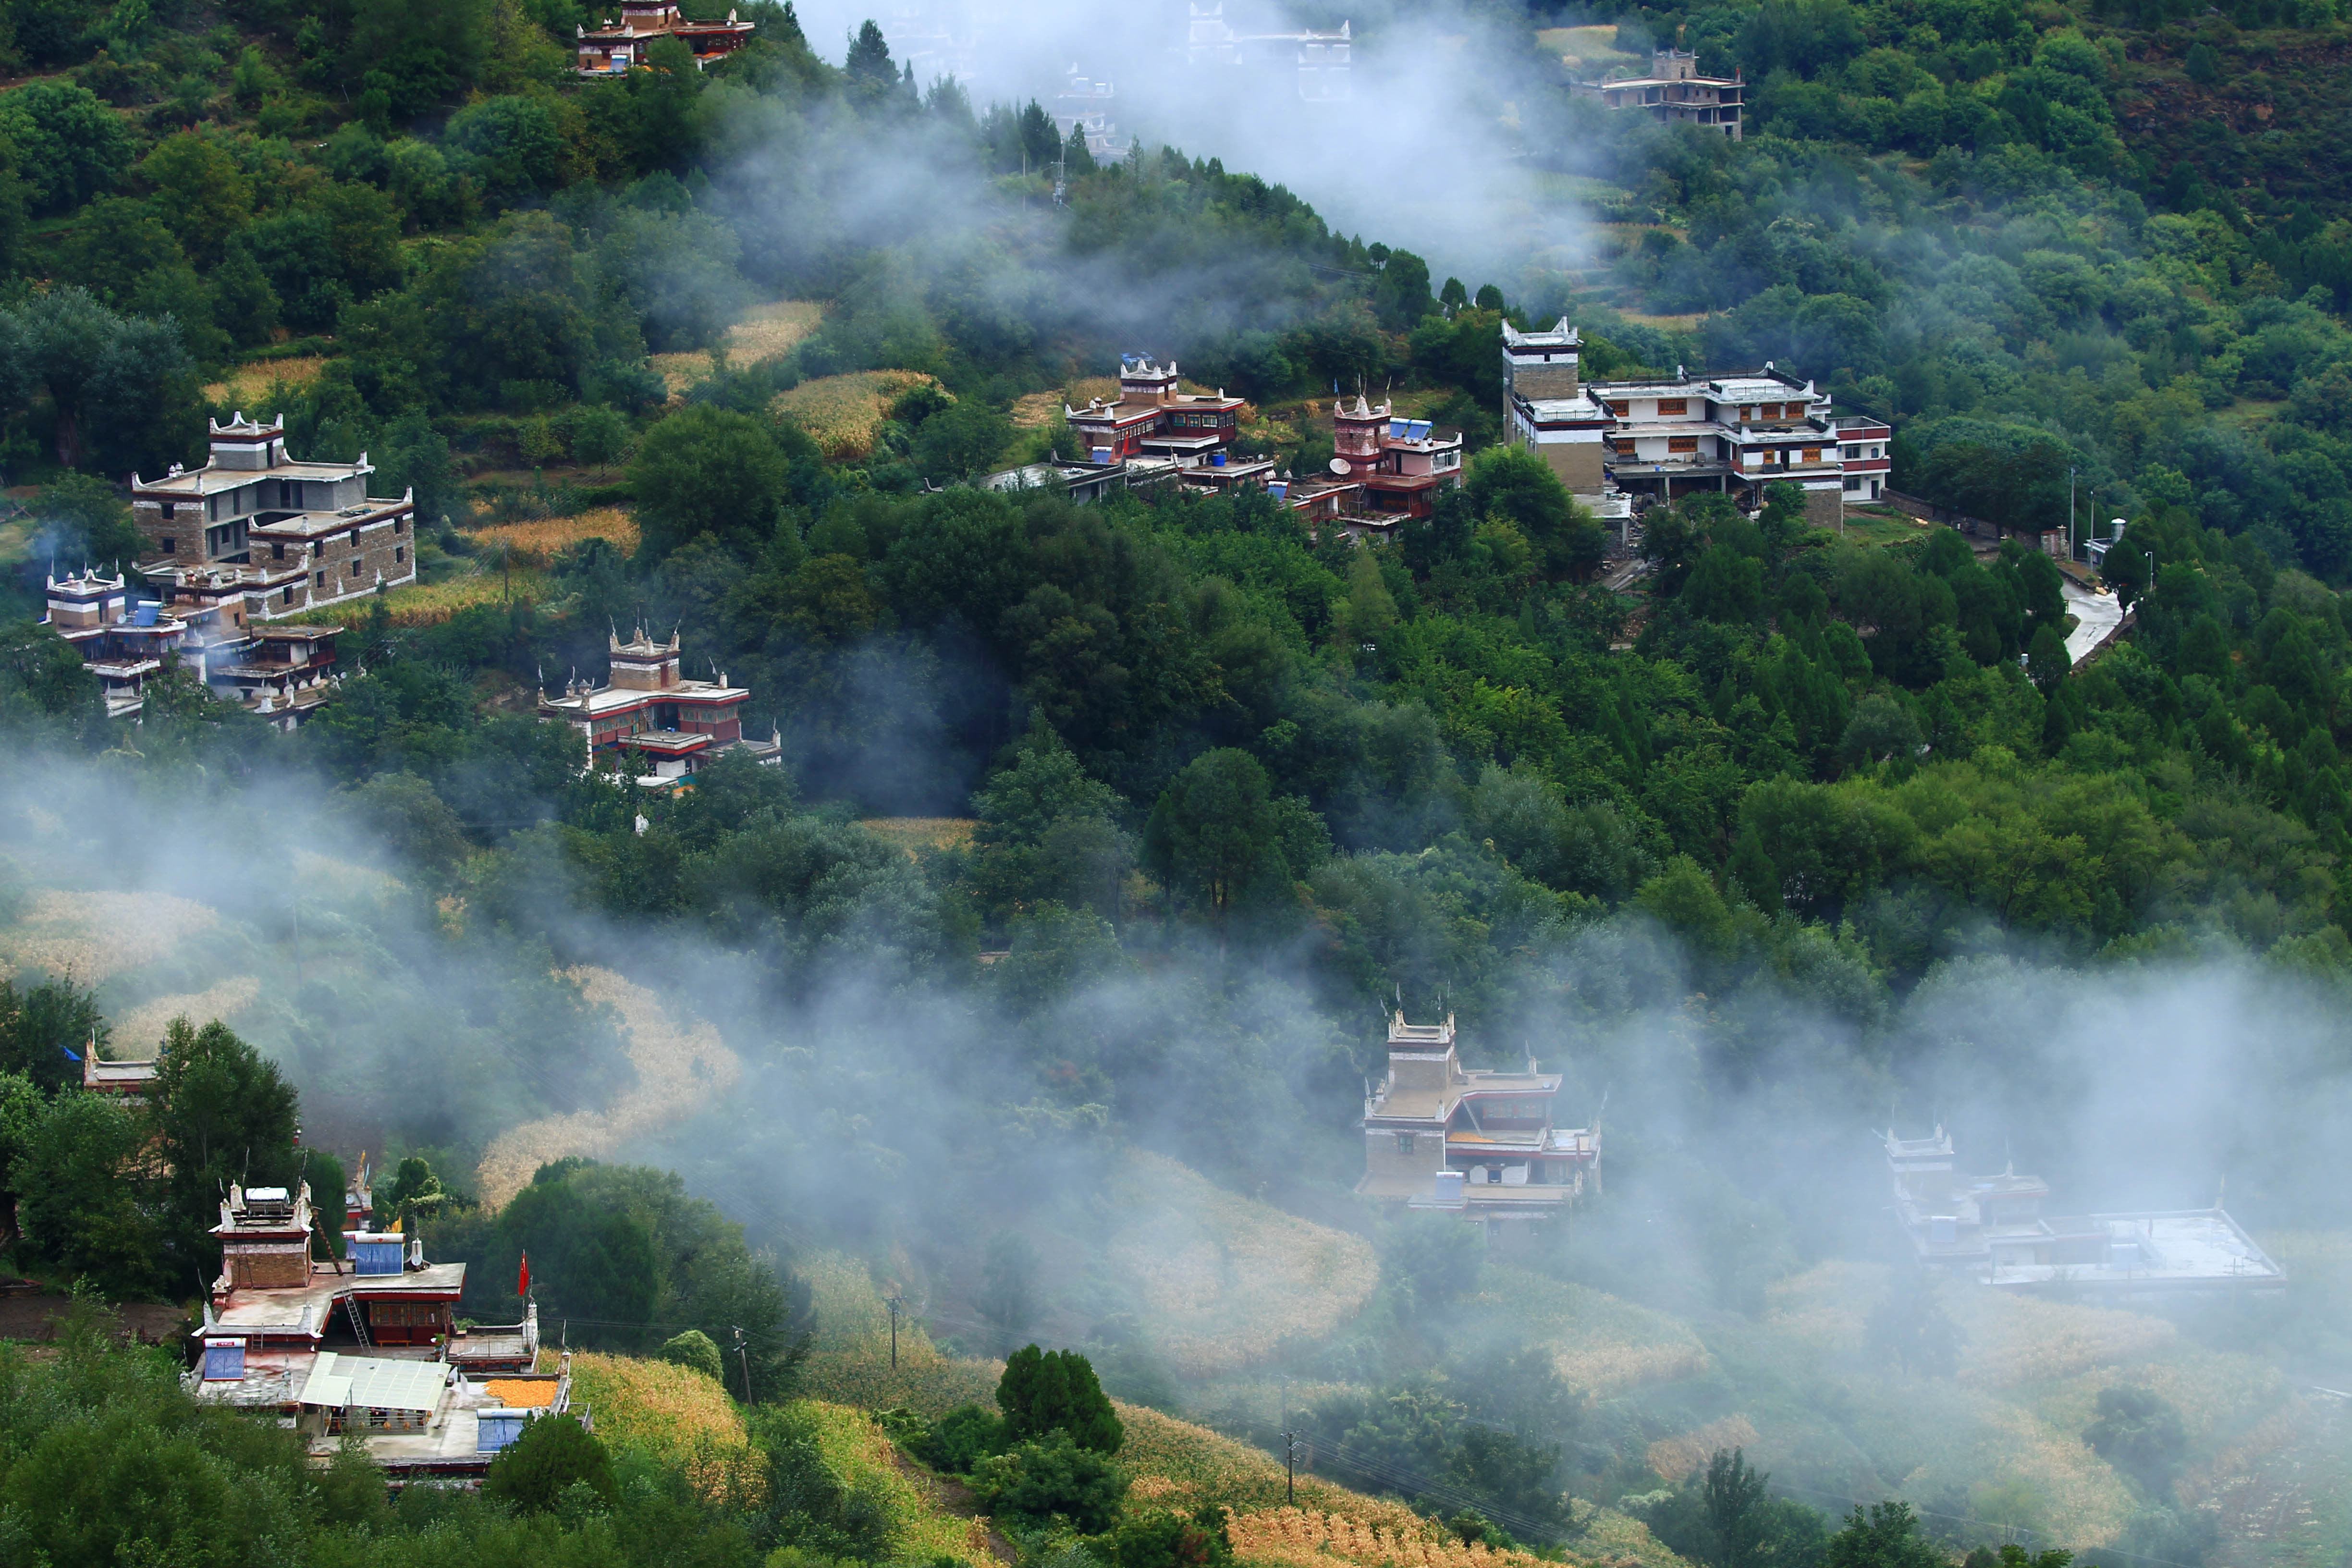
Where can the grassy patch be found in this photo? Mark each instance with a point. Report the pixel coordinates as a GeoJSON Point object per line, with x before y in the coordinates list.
{"type": "Point", "coordinates": [1589, 50]}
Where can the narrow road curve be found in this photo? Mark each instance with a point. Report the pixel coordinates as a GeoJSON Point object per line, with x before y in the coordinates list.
{"type": "Point", "coordinates": [2095, 614]}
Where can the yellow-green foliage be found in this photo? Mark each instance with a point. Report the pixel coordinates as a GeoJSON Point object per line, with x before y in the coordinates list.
{"type": "Point", "coordinates": [675, 1412]}
{"type": "Point", "coordinates": [1598, 1342]}
{"type": "Point", "coordinates": [858, 1451]}
{"type": "Point", "coordinates": [1219, 1280]}
{"type": "Point", "coordinates": [850, 1360]}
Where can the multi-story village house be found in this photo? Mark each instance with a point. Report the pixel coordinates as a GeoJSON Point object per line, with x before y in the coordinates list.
{"type": "Point", "coordinates": [1442, 1137]}
{"type": "Point", "coordinates": [650, 716]}
{"type": "Point", "coordinates": [366, 1346]}
{"type": "Point", "coordinates": [1403, 464]}
{"type": "Point", "coordinates": [280, 535]}
{"type": "Point", "coordinates": [1154, 416]}
{"type": "Point", "coordinates": [1673, 91]}
{"type": "Point", "coordinates": [1658, 441]}
{"type": "Point", "coordinates": [280, 672]}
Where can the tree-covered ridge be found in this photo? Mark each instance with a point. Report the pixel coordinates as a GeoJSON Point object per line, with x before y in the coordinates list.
{"type": "Point", "coordinates": [1972, 220]}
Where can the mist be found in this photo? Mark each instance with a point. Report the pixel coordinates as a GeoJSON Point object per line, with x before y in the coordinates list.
{"type": "Point", "coordinates": [1425, 152]}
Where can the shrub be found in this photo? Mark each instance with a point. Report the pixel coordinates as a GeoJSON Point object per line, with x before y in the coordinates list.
{"type": "Point", "coordinates": [554, 1454]}
{"type": "Point", "coordinates": [1049, 1478]}
{"type": "Point", "coordinates": [695, 1350]}
{"type": "Point", "coordinates": [960, 1439]}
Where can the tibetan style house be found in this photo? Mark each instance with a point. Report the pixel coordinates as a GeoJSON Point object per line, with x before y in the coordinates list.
{"type": "Point", "coordinates": [367, 1345]}
{"type": "Point", "coordinates": [1992, 1229]}
{"type": "Point", "coordinates": [619, 44]}
{"type": "Point", "coordinates": [1469, 1140]}
{"type": "Point", "coordinates": [277, 534]}
{"type": "Point", "coordinates": [648, 717]}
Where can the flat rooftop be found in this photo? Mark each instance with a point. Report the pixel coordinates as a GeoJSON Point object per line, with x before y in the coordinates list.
{"type": "Point", "coordinates": [2171, 1250]}
{"type": "Point", "coordinates": [304, 1308]}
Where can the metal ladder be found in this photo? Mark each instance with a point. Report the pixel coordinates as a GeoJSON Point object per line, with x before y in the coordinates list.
{"type": "Point", "coordinates": [359, 1324]}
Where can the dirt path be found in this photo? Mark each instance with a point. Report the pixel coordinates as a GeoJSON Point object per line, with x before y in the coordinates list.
{"type": "Point", "coordinates": [680, 1067]}
{"type": "Point", "coordinates": [954, 1497]}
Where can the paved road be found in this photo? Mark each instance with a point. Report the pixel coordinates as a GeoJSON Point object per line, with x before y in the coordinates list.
{"type": "Point", "coordinates": [2097, 614]}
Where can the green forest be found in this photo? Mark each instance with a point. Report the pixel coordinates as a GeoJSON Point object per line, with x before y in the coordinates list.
{"type": "Point", "coordinates": [1034, 1001]}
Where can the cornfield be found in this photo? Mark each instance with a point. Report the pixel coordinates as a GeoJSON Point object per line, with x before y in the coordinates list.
{"type": "Point", "coordinates": [1597, 1340]}
{"type": "Point", "coordinates": [1306, 1538]}
{"type": "Point", "coordinates": [2018, 1340]}
{"type": "Point", "coordinates": [430, 603]}
{"type": "Point", "coordinates": [1219, 1281]}
{"type": "Point", "coordinates": [918, 833]}
{"type": "Point", "coordinates": [249, 385]}
{"type": "Point", "coordinates": [843, 414]}
{"type": "Point", "coordinates": [1189, 1467]}
{"type": "Point", "coordinates": [1676, 1457]}
{"type": "Point", "coordinates": [861, 1454]}
{"type": "Point", "coordinates": [680, 1067]}
{"type": "Point", "coordinates": [675, 1413]}
{"type": "Point", "coordinates": [772, 330]}
{"type": "Point", "coordinates": [540, 540]}
{"type": "Point", "coordinates": [850, 1362]}
{"type": "Point", "coordinates": [94, 936]}
{"type": "Point", "coordinates": [679, 372]}
{"type": "Point", "coordinates": [137, 1030]}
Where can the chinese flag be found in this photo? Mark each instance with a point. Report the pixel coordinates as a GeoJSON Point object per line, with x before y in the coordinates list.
{"type": "Point", "coordinates": [522, 1284]}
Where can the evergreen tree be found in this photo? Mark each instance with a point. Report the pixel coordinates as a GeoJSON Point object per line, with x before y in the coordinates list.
{"type": "Point", "coordinates": [1057, 1391]}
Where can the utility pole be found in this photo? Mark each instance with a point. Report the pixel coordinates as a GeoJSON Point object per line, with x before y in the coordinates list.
{"type": "Point", "coordinates": [893, 1304]}
{"type": "Point", "coordinates": [743, 1349]}
{"type": "Point", "coordinates": [2070, 511]}
{"type": "Point", "coordinates": [1290, 1451]}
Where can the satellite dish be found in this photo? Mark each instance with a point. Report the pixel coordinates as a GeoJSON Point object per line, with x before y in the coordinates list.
{"type": "Point", "coordinates": [1339, 466]}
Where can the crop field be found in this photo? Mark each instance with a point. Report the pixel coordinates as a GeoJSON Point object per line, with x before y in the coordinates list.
{"type": "Point", "coordinates": [843, 414]}
{"type": "Point", "coordinates": [772, 330]}
{"type": "Point", "coordinates": [850, 1362]}
{"type": "Point", "coordinates": [917, 834]}
{"type": "Point", "coordinates": [861, 1454]}
{"type": "Point", "coordinates": [673, 1411]}
{"type": "Point", "coordinates": [248, 385]}
{"type": "Point", "coordinates": [1219, 1281]}
{"type": "Point", "coordinates": [1598, 1342]}
{"type": "Point", "coordinates": [1187, 1466]}
{"type": "Point", "coordinates": [539, 540]}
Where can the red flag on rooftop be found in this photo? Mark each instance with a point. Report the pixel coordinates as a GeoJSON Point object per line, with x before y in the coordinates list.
{"type": "Point", "coordinates": [522, 1283]}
